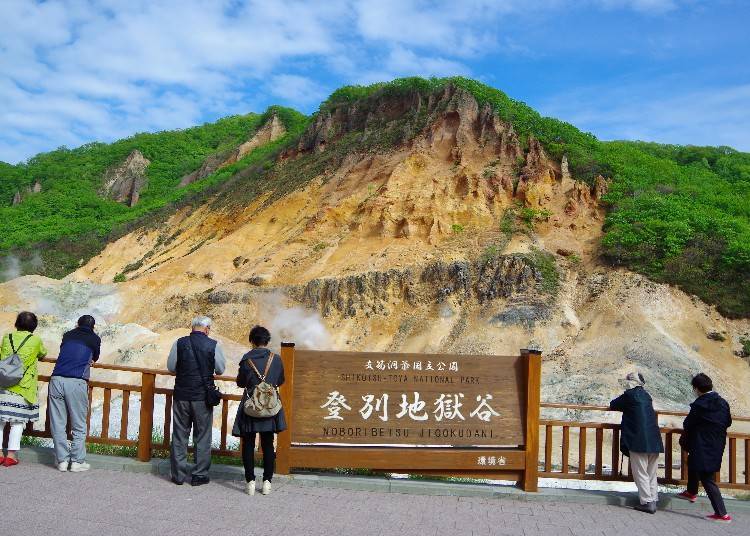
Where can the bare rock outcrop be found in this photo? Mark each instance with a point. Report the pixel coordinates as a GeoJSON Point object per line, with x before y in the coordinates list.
{"type": "Point", "coordinates": [272, 130]}
{"type": "Point", "coordinates": [600, 189]}
{"type": "Point", "coordinates": [537, 177]}
{"type": "Point", "coordinates": [373, 293]}
{"type": "Point", "coordinates": [450, 119]}
{"type": "Point", "coordinates": [19, 196]}
{"type": "Point", "coordinates": [583, 197]}
{"type": "Point", "coordinates": [125, 182]}
{"type": "Point", "coordinates": [209, 165]}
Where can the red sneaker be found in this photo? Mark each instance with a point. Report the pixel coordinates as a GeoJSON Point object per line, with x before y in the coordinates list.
{"type": "Point", "coordinates": [726, 518]}
{"type": "Point", "coordinates": [686, 495]}
{"type": "Point", "coordinates": [10, 462]}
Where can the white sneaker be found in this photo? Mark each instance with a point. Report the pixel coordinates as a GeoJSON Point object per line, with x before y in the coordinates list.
{"type": "Point", "coordinates": [250, 488]}
{"type": "Point", "coordinates": [266, 487]}
{"type": "Point", "coordinates": [76, 467]}
{"type": "Point", "coordinates": [63, 466]}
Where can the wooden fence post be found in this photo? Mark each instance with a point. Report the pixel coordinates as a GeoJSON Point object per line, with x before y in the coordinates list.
{"type": "Point", "coordinates": [146, 425]}
{"type": "Point", "coordinates": [284, 440]}
{"type": "Point", "coordinates": [533, 391]}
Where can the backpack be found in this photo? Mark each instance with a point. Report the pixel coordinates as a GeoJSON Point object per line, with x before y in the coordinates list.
{"type": "Point", "coordinates": [12, 369]}
{"type": "Point", "coordinates": [264, 401]}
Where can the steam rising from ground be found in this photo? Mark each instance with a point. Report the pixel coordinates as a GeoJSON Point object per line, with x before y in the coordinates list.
{"type": "Point", "coordinates": [10, 268]}
{"type": "Point", "coordinates": [66, 301]}
{"type": "Point", "coordinates": [294, 324]}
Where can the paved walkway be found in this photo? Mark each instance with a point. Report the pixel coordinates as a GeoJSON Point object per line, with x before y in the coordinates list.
{"type": "Point", "coordinates": [37, 499]}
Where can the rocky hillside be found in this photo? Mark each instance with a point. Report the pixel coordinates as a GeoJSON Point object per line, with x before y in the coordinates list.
{"type": "Point", "coordinates": [62, 207]}
{"type": "Point", "coordinates": [441, 216]}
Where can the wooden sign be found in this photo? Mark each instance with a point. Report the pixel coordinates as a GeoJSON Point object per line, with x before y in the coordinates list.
{"type": "Point", "coordinates": [466, 415]}
{"type": "Point", "coordinates": [379, 399]}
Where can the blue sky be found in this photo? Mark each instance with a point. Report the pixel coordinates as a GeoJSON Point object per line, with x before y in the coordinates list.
{"type": "Point", "coordinates": [74, 71]}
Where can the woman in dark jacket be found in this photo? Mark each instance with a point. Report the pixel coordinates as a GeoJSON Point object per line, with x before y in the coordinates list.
{"type": "Point", "coordinates": [640, 439]}
{"type": "Point", "coordinates": [247, 427]}
{"type": "Point", "coordinates": [704, 437]}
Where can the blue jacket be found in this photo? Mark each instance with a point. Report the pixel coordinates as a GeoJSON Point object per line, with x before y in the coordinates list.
{"type": "Point", "coordinates": [79, 348]}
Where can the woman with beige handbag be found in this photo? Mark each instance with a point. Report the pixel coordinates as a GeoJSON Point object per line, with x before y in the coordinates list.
{"type": "Point", "coordinates": [261, 372]}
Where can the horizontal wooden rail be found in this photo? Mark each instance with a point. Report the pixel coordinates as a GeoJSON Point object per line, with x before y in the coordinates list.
{"type": "Point", "coordinates": [660, 412]}
{"type": "Point", "coordinates": [577, 407]}
{"type": "Point", "coordinates": [144, 392]}
{"type": "Point", "coordinates": [571, 449]}
{"type": "Point", "coordinates": [560, 440]}
{"type": "Point", "coordinates": [137, 370]}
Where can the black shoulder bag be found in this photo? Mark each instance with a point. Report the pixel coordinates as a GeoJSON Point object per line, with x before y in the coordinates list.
{"type": "Point", "coordinates": [213, 395]}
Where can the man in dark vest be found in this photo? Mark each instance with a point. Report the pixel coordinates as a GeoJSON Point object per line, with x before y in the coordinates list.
{"type": "Point", "coordinates": [640, 438]}
{"type": "Point", "coordinates": [704, 437]}
{"type": "Point", "coordinates": [194, 359]}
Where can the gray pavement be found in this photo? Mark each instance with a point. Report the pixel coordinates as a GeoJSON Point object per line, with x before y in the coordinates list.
{"type": "Point", "coordinates": [37, 499]}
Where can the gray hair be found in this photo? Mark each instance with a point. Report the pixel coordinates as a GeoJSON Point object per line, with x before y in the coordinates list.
{"type": "Point", "coordinates": [201, 322]}
{"type": "Point", "coordinates": [635, 379]}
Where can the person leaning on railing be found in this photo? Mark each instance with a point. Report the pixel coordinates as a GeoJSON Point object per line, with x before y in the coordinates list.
{"type": "Point", "coordinates": [640, 438]}
{"type": "Point", "coordinates": [194, 359]}
{"type": "Point", "coordinates": [18, 403]}
{"type": "Point", "coordinates": [704, 437]}
{"type": "Point", "coordinates": [68, 394]}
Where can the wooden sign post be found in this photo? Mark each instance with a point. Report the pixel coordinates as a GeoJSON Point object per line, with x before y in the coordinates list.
{"type": "Point", "coordinates": [457, 415]}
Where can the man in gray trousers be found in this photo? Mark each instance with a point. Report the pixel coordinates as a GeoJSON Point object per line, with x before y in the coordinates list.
{"type": "Point", "coordinates": [194, 358]}
{"type": "Point", "coordinates": [68, 394]}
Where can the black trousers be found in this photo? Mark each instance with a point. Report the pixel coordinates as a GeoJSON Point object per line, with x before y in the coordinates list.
{"type": "Point", "coordinates": [248, 455]}
{"type": "Point", "coordinates": [712, 490]}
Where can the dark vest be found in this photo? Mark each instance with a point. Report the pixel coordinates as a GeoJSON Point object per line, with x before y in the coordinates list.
{"type": "Point", "coordinates": [188, 384]}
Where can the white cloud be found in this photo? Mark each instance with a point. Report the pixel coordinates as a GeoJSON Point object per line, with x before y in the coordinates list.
{"type": "Point", "coordinates": [654, 112]}
{"type": "Point", "coordinates": [461, 29]}
{"type": "Point", "coordinates": [296, 89]}
{"type": "Point", "coordinates": [400, 61]}
{"type": "Point", "coordinates": [73, 71]}
{"type": "Point", "coordinates": [112, 68]}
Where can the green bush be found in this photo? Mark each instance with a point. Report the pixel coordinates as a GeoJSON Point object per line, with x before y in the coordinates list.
{"type": "Point", "coordinates": [530, 216]}
{"type": "Point", "coordinates": [119, 278]}
{"type": "Point", "coordinates": [490, 252]}
{"type": "Point", "coordinates": [508, 221]}
{"type": "Point", "coordinates": [544, 263]}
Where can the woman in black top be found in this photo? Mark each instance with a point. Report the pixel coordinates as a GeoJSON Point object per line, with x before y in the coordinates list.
{"type": "Point", "coordinates": [247, 427]}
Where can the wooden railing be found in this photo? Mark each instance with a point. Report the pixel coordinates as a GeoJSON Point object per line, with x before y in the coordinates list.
{"type": "Point", "coordinates": [146, 391]}
{"type": "Point", "coordinates": [574, 449]}
{"type": "Point", "coordinates": [590, 450]}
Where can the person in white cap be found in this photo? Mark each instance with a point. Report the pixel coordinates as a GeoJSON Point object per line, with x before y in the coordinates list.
{"type": "Point", "coordinates": [640, 438]}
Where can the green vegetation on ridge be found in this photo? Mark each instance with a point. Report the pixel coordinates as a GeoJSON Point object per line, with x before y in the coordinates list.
{"type": "Point", "coordinates": [74, 221]}
{"type": "Point", "coordinates": [679, 214]}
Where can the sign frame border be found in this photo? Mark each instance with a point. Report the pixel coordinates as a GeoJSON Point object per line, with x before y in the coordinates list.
{"type": "Point", "coordinates": [441, 461]}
